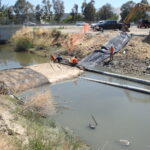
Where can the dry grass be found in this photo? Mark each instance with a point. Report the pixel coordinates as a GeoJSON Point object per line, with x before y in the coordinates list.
{"type": "Point", "coordinates": [42, 103]}
{"type": "Point", "coordinates": [136, 48]}
{"type": "Point", "coordinates": [41, 38]}
{"type": "Point", "coordinates": [6, 143]}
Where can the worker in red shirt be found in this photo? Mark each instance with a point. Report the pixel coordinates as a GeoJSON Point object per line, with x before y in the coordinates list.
{"type": "Point", "coordinates": [73, 61]}
{"type": "Point", "coordinates": [111, 53]}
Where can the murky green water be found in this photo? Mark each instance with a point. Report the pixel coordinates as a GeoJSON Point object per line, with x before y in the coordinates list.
{"type": "Point", "coordinates": [10, 59]}
{"type": "Point", "coordinates": [121, 114]}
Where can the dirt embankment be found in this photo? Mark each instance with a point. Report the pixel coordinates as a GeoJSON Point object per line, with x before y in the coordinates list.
{"type": "Point", "coordinates": [134, 59]}
{"type": "Point", "coordinates": [16, 80]}
{"type": "Point", "coordinates": [89, 42]}
{"type": "Point", "coordinates": [27, 127]}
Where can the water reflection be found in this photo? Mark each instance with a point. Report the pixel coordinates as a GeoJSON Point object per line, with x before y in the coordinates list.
{"type": "Point", "coordinates": [10, 59]}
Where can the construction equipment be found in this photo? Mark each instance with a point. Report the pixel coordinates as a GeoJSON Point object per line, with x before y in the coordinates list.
{"type": "Point", "coordinates": [138, 6]}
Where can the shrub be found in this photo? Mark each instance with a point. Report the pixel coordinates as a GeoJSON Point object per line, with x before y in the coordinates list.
{"type": "Point", "coordinates": [56, 33]}
{"type": "Point", "coordinates": [23, 44]}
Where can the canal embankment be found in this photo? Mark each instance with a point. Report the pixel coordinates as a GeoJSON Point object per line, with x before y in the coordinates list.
{"type": "Point", "coordinates": [21, 79]}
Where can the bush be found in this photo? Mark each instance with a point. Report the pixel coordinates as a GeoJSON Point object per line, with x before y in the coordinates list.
{"type": "Point", "coordinates": [23, 44]}
{"type": "Point", "coordinates": [56, 33]}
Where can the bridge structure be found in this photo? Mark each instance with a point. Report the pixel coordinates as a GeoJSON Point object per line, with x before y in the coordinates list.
{"type": "Point", "coordinates": [6, 31]}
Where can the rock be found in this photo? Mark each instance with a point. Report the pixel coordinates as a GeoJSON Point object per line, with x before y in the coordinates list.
{"type": "Point", "coordinates": [10, 132]}
{"type": "Point", "coordinates": [92, 126]}
{"type": "Point", "coordinates": [115, 63]}
{"type": "Point", "coordinates": [148, 68]}
{"type": "Point", "coordinates": [11, 96]}
{"type": "Point", "coordinates": [124, 142]}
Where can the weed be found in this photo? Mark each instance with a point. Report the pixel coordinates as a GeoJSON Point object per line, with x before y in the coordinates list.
{"type": "Point", "coordinates": [38, 143]}
{"type": "Point", "coordinates": [23, 44]}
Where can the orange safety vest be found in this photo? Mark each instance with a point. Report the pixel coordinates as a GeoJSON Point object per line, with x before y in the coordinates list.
{"type": "Point", "coordinates": [74, 60]}
{"type": "Point", "coordinates": [111, 50]}
{"type": "Point", "coordinates": [52, 58]}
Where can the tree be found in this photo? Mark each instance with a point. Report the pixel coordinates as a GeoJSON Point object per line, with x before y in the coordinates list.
{"type": "Point", "coordinates": [46, 11]}
{"type": "Point", "coordinates": [84, 4]}
{"type": "Point", "coordinates": [106, 12]}
{"type": "Point", "coordinates": [144, 1]}
{"type": "Point", "coordinates": [6, 14]}
{"type": "Point", "coordinates": [38, 13]}
{"type": "Point", "coordinates": [89, 11]}
{"type": "Point", "coordinates": [58, 6]}
{"type": "Point", "coordinates": [141, 14]}
{"type": "Point", "coordinates": [126, 8]}
{"type": "Point", "coordinates": [74, 13]}
{"type": "Point", "coordinates": [22, 9]}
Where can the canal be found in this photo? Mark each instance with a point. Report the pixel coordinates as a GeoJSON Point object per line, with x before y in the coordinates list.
{"type": "Point", "coordinates": [121, 114]}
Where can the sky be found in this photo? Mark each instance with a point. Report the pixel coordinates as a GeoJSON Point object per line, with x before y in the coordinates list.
{"type": "Point", "coordinates": [70, 3]}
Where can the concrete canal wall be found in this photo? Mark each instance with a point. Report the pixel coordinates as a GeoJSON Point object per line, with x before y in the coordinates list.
{"type": "Point", "coordinates": [16, 80]}
{"type": "Point", "coordinates": [7, 31]}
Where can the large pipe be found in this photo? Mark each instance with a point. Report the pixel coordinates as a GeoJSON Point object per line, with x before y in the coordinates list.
{"type": "Point", "coordinates": [147, 82]}
{"type": "Point", "coordinates": [141, 90]}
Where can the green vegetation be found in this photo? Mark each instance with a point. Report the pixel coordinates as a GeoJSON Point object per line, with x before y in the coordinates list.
{"type": "Point", "coordinates": [54, 12]}
{"type": "Point", "coordinates": [42, 133]}
{"type": "Point", "coordinates": [23, 44]}
{"type": "Point", "coordinates": [37, 39]}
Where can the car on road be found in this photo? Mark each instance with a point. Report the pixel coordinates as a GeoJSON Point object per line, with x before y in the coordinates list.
{"type": "Point", "coordinates": [143, 24]}
{"type": "Point", "coordinates": [30, 24]}
{"type": "Point", "coordinates": [107, 24]}
{"type": "Point", "coordinates": [94, 24]}
{"type": "Point", "coordinates": [80, 23]}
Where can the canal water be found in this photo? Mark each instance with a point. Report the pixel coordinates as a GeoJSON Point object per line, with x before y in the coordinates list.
{"type": "Point", "coordinates": [10, 59]}
{"type": "Point", "coordinates": [121, 114]}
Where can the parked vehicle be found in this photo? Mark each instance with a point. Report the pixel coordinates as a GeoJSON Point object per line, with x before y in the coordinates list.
{"type": "Point", "coordinates": [143, 24]}
{"type": "Point", "coordinates": [80, 23]}
{"type": "Point", "coordinates": [107, 24]}
{"type": "Point", "coordinates": [94, 24]}
{"type": "Point", "coordinates": [30, 24]}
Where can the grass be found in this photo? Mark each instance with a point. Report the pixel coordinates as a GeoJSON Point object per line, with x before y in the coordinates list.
{"type": "Point", "coordinates": [37, 38]}
{"type": "Point", "coordinates": [6, 143]}
{"type": "Point", "coordinates": [42, 131]}
{"type": "Point", "coordinates": [23, 44]}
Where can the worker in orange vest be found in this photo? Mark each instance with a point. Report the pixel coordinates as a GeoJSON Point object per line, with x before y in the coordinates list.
{"type": "Point", "coordinates": [73, 61]}
{"type": "Point", "coordinates": [52, 58]}
{"type": "Point", "coordinates": [111, 53]}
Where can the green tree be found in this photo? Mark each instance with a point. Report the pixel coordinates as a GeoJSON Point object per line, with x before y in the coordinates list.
{"type": "Point", "coordinates": [23, 11]}
{"type": "Point", "coordinates": [84, 4]}
{"type": "Point", "coordinates": [126, 8]}
{"type": "Point", "coordinates": [47, 14]}
{"type": "Point", "coordinates": [89, 11]}
{"type": "Point", "coordinates": [106, 12]}
{"type": "Point", "coordinates": [6, 14]}
{"type": "Point", "coordinates": [38, 13]}
{"type": "Point", "coordinates": [74, 13]}
{"type": "Point", "coordinates": [58, 6]}
{"type": "Point", "coordinates": [141, 14]}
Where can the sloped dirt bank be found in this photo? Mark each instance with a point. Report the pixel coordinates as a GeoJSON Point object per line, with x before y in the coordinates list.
{"type": "Point", "coordinates": [134, 59]}
{"type": "Point", "coordinates": [26, 127]}
{"type": "Point", "coordinates": [16, 80]}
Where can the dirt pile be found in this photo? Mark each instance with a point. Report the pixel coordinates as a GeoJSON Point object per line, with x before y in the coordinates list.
{"type": "Point", "coordinates": [90, 42]}
{"type": "Point", "coordinates": [134, 58]}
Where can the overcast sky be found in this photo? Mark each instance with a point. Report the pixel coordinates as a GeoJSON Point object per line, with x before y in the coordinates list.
{"type": "Point", "coordinates": [69, 3]}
